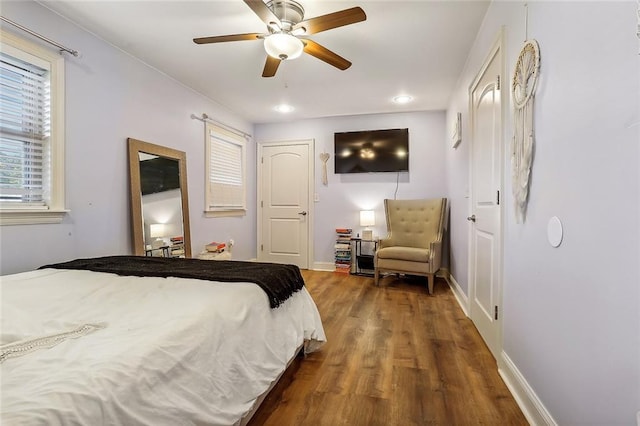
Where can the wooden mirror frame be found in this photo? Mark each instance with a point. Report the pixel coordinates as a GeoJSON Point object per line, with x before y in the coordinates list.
{"type": "Point", "coordinates": [135, 148]}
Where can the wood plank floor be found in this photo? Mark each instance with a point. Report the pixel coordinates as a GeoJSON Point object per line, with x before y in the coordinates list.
{"type": "Point", "coordinates": [394, 356]}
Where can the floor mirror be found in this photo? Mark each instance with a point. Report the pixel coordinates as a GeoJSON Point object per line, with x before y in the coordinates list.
{"type": "Point", "coordinates": [159, 200]}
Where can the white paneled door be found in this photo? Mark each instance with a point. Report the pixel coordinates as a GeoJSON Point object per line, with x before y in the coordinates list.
{"type": "Point", "coordinates": [486, 219]}
{"type": "Point", "coordinates": [284, 220]}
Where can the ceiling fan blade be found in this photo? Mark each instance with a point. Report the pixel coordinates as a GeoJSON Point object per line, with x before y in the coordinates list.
{"type": "Point", "coordinates": [324, 54]}
{"type": "Point", "coordinates": [232, 37]}
{"type": "Point", "coordinates": [331, 20]}
{"type": "Point", "coordinates": [263, 12]}
{"type": "Point", "coordinates": [270, 66]}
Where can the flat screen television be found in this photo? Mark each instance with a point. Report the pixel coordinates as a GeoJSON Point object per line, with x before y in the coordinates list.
{"type": "Point", "coordinates": [159, 174]}
{"type": "Point", "coordinates": [371, 151]}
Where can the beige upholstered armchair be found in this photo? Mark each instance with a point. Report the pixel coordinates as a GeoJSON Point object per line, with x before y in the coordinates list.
{"type": "Point", "coordinates": [414, 242]}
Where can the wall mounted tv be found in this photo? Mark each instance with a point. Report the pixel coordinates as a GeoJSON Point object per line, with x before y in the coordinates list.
{"type": "Point", "coordinates": [372, 151]}
{"type": "Point", "coordinates": [159, 174]}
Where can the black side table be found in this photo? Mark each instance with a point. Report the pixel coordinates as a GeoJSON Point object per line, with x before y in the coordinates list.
{"type": "Point", "coordinates": [165, 251]}
{"type": "Point", "coordinates": [364, 259]}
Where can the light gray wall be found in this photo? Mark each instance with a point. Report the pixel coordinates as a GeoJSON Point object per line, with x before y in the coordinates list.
{"type": "Point", "coordinates": [571, 314]}
{"type": "Point", "coordinates": [111, 96]}
{"type": "Point", "coordinates": [345, 195]}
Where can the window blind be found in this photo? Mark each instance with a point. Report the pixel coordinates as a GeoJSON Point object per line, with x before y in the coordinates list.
{"type": "Point", "coordinates": [226, 174]}
{"type": "Point", "coordinates": [24, 130]}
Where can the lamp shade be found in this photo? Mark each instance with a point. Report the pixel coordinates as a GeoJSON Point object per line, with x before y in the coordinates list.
{"type": "Point", "coordinates": [156, 230]}
{"type": "Point", "coordinates": [283, 46]}
{"type": "Point", "coordinates": [367, 218]}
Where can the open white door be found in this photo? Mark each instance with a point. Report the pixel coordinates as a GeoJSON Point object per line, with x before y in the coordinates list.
{"type": "Point", "coordinates": [285, 175]}
{"type": "Point", "coordinates": [485, 291]}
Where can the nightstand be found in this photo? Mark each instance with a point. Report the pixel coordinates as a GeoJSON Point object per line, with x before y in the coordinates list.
{"type": "Point", "coordinates": [364, 258]}
{"type": "Point", "coordinates": [157, 252]}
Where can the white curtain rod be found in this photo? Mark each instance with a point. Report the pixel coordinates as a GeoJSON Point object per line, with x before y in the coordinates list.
{"type": "Point", "coordinates": [41, 37]}
{"type": "Point", "coordinates": [206, 118]}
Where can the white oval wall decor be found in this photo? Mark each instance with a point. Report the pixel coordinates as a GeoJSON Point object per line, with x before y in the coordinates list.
{"type": "Point", "coordinates": [554, 231]}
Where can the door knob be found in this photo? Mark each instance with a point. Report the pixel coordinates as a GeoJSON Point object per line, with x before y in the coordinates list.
{"type": "Point", "coordinates": [303, 213]}
{"type": "Point", "coordinates": [472, 218]}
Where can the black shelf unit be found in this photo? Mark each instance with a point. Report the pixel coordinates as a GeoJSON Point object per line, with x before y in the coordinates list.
{"type": "Point", "coordinates": [364, 259]}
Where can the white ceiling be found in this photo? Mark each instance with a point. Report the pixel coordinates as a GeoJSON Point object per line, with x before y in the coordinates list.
{"type": "Point", "coordinates": [404, 47]}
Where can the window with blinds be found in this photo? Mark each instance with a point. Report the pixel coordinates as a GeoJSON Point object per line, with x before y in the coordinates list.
{"type": "Point", "coordinates": [226, 182]}
{"type": "Point", "coordinates": [24, 131]}
{"type": "Point", "coordinates": [31, 132]}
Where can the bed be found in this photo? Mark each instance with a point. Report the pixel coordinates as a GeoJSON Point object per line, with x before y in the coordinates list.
{"type": "Point", "coordinates": [87, 347]}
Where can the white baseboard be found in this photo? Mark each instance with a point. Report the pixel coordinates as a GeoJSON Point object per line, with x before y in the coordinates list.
{"type": "Point", "coordinates": [534, 411]}
{"type": "Point", "coordinates": [317, 266]}
{"type": "Point", "coordinates": [532, 408]}
{"type": "Point", "coordinates": [323, 266]}
{"type": "Point", "coordinates": [462, 298]}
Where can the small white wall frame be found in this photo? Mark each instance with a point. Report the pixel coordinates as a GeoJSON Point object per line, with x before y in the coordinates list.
{"type": "Point", "coordinates": [456, 135]}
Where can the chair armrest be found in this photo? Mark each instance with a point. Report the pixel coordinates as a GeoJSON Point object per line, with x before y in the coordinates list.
{"type": "Point", "coordinates": [384, 242]}
{"type": "Point", "coordinates": [435, 255]}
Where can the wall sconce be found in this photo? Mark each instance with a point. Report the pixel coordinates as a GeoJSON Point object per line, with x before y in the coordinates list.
{"type": "Point", "coordinates": [367, 218]}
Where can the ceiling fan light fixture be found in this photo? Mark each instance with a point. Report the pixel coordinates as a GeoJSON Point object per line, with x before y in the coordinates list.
{"type": "Point", "coordinates": [285, 23]}
{"type": "Point", "coordinates": [283, 46]}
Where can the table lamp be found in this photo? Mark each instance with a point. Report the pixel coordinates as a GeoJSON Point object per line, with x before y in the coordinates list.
{"type": "Point", "coordinates": [367, 218]}
{"type": "Point", "coordinates": [157, 231]}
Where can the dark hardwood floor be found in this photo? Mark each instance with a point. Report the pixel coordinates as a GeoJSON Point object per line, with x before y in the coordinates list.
{"type": "Point", "coordinates": [394, 356]}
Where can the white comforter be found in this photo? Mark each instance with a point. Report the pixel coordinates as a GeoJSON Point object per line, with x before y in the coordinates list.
{"type": "Point", "coordinates": [172, 351]}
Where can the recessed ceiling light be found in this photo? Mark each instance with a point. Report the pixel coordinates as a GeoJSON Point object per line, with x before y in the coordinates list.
{"type": "Point", "coordinates": [284, 108]}
{"type": "Point", "coordinates": [402, 99]}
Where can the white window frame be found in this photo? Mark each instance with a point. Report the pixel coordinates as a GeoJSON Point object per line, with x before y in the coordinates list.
{"type": "Point", "coordinates": [54, 209]}
{"type": "Point", "coordinates": [226, 136]}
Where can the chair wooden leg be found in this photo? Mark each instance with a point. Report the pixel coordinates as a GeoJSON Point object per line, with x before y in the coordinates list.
{"type": "Point", "coordinates": [430, 279]}
{"type": "Point", "coordinates": [376, 277]}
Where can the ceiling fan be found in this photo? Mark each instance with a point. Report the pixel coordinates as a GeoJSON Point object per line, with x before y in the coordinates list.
{"type": "Point", "coordinates": [287, 29]}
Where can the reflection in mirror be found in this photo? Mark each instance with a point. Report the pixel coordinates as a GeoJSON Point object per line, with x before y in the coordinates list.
{"type": "Point", "coordinates": [161, 204]}
{"type": "Point", "coordinates": [159, 200]}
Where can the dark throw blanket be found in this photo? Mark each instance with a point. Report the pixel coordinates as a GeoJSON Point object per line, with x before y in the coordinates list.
{"type": "Point", "coordinates": [278, 281]}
